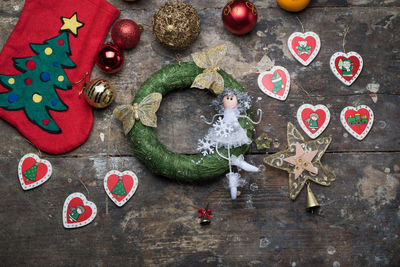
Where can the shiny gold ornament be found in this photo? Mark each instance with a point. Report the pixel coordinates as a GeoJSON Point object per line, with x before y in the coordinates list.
{"type": "Point", "coordinates": [145, 111]}
{"type": "Point", "coordinates": [98, 93]}
{"type": "Point", "coordinates": [208, 60]}
{"type": "Point", "coordinates": [311, 202]}
{"type": "Point", "coordinates": [176, 25]}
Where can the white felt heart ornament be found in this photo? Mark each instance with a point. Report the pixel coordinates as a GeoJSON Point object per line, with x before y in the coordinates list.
{"type": "Point", "coordinates": [304, 46]}
{"type": "Point", "coordinates": [346, 66]}
{"type": "Point", "coordinates": [313, 119]}
{"type": "Point", "coordinates": [33, 171]}
{"type": "Point", "coordinates": [120, 186]}
{"type": "Point", "coordinates": [275, 82]}
{"type": "Point", "coordinates": [357, 120]}
{"type": "Point", "coordinates": [78, 211]}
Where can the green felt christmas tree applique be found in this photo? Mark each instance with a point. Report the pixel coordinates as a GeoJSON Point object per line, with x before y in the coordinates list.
{"type": "Point", "coordinates": [34, 89]}
{"type": "Point", "coordinates": [31, 173]}
{"type": "Point", "coordinates": [119, 188]}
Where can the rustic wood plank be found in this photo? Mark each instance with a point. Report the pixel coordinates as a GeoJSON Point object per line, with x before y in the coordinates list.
{"type": "Point", "coordinates": [159, 225]}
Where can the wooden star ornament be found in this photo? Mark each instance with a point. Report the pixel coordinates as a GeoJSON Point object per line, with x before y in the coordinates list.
{"type": "Point", "coordinates": [302, 161]}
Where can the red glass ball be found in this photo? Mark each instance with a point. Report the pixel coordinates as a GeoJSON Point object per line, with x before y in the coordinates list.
{"type": "Point", "coordinates": [110, 58]}
{"type": "Point", "coordinates": [125, 33]}
{"type": "Point", "coordinates": [239, 16]}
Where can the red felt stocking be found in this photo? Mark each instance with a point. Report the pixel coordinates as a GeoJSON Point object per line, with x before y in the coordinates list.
{"type": "Point", "coordinates": [54, 42]}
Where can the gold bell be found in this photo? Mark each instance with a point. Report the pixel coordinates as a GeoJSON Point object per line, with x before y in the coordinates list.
{"type": "Point", "coordinates": [311, 202]}
{"type": "Point", "coordinates": [204, 221]}
{"type": "Point", "coordinates": [205, 215]}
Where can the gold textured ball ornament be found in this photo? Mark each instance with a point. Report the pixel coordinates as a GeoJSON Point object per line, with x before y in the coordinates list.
{"type": "Point", "coordinates": [99, 93]}
{"type": "Point", "coordinates": [176, 25]}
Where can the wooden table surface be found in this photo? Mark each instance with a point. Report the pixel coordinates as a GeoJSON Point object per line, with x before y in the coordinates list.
{"type": "Point", "coordinates": [358, 223]}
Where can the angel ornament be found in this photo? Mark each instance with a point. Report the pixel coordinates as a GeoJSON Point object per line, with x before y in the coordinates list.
{"type": "Point", "coordinates": [228, 133]}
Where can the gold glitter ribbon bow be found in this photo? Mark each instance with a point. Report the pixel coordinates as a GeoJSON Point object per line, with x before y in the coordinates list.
{"type": "Point", "coordinates": [208, 60]}
{"type": "Point", "coordinates": [145, 111]}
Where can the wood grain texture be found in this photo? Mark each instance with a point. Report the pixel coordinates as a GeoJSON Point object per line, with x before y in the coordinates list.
{"type": "Point", "coordinates": [358, 224]}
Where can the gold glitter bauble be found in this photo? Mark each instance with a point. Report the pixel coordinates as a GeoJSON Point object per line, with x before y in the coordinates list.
{"type": "Point", "coordinates": [99, 93]}
{"type": "Point", "coordinates": [176, 25]}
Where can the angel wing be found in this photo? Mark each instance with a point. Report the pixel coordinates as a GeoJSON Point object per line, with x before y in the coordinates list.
{"type": "Point", "coordinates": [147, 109]}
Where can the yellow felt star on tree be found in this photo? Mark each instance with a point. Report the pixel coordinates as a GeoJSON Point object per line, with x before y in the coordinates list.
{"type": "Point", "coordinates": [72, 24]}
{"type": "Point", "coordinates": [302, 161]}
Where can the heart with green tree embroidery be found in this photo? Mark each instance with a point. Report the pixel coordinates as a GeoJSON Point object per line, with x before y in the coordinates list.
{"type": "Point", "coordinates": [33, 171]}
{"type": "Point", "coordinates": [120, 186]}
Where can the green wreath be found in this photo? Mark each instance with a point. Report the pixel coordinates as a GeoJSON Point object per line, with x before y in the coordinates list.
{"type": "Point", "coordinates": [156, 156]}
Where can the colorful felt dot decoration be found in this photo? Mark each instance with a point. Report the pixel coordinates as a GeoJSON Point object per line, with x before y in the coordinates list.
{"type": "Point", "coordinates": [37, 98]}
{"type": "Point", "coordinates": [48, 51]}
{"type": "Point", "coordinates": [60, 78]}
{"type": "Point", "coordinates": [45, 76]}
{"type": "Point", "coordinates": [31, 65]}
{"type": "Point", "coordinates": [11, 81]}
{"type": "Point", "coordinates": [12, 98]}
{"type": "Point", "coordinates": [28, 81]}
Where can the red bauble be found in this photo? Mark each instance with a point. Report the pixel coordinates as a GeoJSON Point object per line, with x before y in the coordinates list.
{"type": "Point", "coordinates": [239, 16]}
{"type": "Point", "coordinates": [110, 58]}
{"type": "Point", "coordinates": [125, 33]}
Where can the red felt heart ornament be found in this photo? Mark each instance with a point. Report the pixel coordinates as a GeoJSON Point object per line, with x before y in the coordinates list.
{"type": "Point", "coordinates": [78, 211]}
{"type": "Point", "coordinates": [346, 67]}
{"type": "Point", "coordinates": [357, 120]}
{"type": "Point", "coordinates": [275, 82]}
{"type": "Point", "coordinates": [304, 46]}
{"type": "Point", "coordinates": [313, 119]}
{"type": "Point", "coordinates": [33, 171]}
{"type": "Point", "coordinates": [120, 186]}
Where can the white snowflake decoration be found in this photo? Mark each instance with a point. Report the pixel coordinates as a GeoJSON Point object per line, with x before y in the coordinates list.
{"type": "Point", "coordinates": [205, 146]}
{"type": "Point", "coordinates": [222, 129]}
